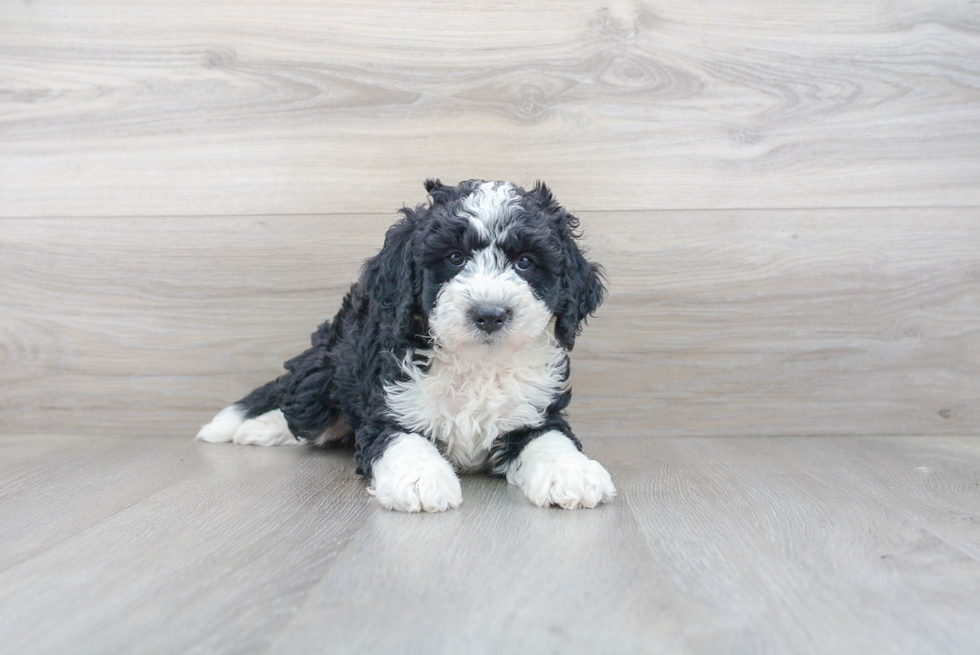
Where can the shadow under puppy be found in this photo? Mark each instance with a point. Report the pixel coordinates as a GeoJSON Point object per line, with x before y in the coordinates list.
{"type": "Point", "coordinates": [441, 358]}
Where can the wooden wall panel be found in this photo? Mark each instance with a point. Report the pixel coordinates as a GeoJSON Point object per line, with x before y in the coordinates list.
{"type": "Point", "coordinates": [718, 323]}
{"type": "Point", "coordinates": [255, 107]}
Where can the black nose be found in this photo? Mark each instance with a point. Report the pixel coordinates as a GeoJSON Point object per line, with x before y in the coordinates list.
{"type": "Point", "coordinates": [490, 319]}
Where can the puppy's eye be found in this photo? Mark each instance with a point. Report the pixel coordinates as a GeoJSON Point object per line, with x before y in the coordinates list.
{"type": "Point", "coordinates": [456, 259]}
{"type": "Point", "coordinates": [523, 263]}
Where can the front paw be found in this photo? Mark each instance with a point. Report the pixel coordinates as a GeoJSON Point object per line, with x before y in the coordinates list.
{"type": "Point", "coordinates": [551, 471]}
{"type": "Point", "coordinates": [412, 476]}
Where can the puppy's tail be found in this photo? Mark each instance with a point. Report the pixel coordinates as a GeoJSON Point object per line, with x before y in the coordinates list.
{"type": "Point", "coordinates": [254, 420]}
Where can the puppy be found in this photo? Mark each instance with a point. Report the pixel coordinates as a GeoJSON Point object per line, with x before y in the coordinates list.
{"type": "Point", "coordinates": [441, 359]}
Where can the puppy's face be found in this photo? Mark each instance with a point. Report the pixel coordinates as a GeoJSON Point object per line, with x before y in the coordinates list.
{"type": "Point", "coordinates": [497, 264]}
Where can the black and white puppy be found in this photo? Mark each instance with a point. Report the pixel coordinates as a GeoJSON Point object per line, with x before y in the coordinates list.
{"type": "Point", "coordinates": [441, 358]}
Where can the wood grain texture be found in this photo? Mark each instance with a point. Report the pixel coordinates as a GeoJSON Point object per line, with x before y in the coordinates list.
{"type": "Point", "coordinates": [803, 545]}
{"type": "Point", "coordinates": [789, 545]}
{"type": "Point", "coordinates": [528, 582]}
{"type": "Point", "coordinates": [104, 530]}
{"type": "Point", "coordinates": [190, 108]}
{"type": "Point", "coordinates": [717, 323]}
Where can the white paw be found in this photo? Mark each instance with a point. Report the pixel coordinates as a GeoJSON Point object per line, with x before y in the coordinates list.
{"type": "Point", "coordinates": [552, 471]}
{"type": "Point", "coordinates": [269, 429]}
{"type": "Point", "coordinates": [412, 476]}
{"type": "Point", "coordinates": [222, 427]}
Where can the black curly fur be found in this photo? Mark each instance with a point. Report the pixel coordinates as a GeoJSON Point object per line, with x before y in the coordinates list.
{"type": "Point", "coordinates": [385, 313]}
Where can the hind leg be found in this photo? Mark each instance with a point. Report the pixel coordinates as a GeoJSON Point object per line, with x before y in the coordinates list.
{"type": "Point", "coordinates": [255, 420]}
{"type": "Point", "coordinates": [230, 425]}
{"type": "Point", "coordinates": [289, 410]}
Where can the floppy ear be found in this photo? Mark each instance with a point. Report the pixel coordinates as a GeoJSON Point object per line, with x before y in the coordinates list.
{"type": "Point", "coordinates": [581, 284]}
{"type": "Point", "coordinates": [582, 293]}
{"type": "Point", "coordinates": [390, 279]}
{"type": "Point", "coordinates": [442, 194]}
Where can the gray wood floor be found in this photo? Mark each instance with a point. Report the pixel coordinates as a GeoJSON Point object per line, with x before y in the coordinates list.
{"type": "Point", "coordinates": [715, 545]}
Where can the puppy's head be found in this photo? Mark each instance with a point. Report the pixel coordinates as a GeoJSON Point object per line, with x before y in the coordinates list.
{"type": "Point", "coordinates": [487, 265]}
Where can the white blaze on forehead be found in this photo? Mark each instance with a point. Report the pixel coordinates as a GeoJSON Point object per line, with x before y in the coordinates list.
{"type": "Point", "coordinates": [490, 261]}
{"type": "Point", "coordinates": [488, 205]}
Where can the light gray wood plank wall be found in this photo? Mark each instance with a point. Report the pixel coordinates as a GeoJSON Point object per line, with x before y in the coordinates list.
{"type": "Point", "coordinates": [278, 138]}
{"type": "Point", "coordinates": [256, 107]}
{"type": "Point", "coordinates": [717, 322]}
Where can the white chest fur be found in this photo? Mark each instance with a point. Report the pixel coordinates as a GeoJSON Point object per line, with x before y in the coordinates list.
{"type": "Point", "coordinates": [465, 400]}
